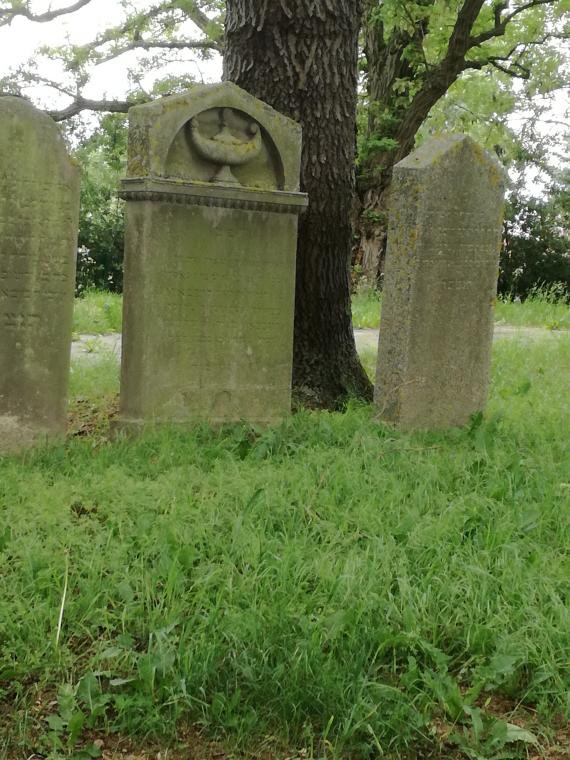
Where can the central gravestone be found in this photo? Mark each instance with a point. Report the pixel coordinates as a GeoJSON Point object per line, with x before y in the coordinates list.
{"type": "Point", "coordinates": [212, 212]}
{"type": "Point", "coordinates": [440, 287]}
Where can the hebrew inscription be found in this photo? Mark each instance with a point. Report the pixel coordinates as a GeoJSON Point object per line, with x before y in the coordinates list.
{"type": "Point", "coordinates": [39, 206]}
{"type": "Point", "coordinates": [440, 285]}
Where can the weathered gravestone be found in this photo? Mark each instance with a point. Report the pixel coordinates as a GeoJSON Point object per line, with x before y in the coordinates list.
{"type": "Point", "coordinates": [212, 211]}
{"type": "Point", "coordinates": [440, 285]}
{"type": "Point", "coordinates": [39, 210]}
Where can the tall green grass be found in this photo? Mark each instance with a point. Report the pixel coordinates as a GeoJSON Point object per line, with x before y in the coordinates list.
{"type": "Point", "coordinates": [366, 308]}
{"type": "Point", "coordinates": [331, 582]}
{"type": "Point", "coordinates": [542, 309]}
{"type": "Point", "coordinates": [97, 313]}
{"type": "Point", "coordinates": [94, 379]}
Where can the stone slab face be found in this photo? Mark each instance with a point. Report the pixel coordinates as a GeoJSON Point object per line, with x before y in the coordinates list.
{"type": "Point", "coordinates": [39, 211]}
{"type": "Point", "coordinates": [440, 286]}
{"type": "Point", "coordinates": [212, 211]}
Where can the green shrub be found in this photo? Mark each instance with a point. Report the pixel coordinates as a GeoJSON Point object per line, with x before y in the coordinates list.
{"type": "Point", "coordinates": [101, 220]}
{"type": "Point", "coordinates": [536, 250]}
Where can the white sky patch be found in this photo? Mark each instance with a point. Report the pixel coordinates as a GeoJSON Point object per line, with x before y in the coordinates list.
{"type": "Point", "coordinates": [20, 40]}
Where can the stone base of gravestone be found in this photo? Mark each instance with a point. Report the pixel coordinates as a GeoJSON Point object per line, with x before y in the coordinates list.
{"type": "Point", "coordinates": [440, 285]}
{"type": "Point", "coordinates": [211, 228]}
{"type": "Point", "coordinates": [39, 210]}
{"type": "Point", "coordinates": [16, 435]}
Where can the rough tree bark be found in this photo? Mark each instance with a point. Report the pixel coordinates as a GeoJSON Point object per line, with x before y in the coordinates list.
{"type": "Point", "coordinates": [300, 56]}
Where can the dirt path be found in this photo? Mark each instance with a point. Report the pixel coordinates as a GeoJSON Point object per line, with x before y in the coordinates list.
{"type": "Point", "coordinates": [368, 338]}
{"type": "Point", "coordinates": [91, 347]}
{"type": "Point", "coordinates": [94, 346]}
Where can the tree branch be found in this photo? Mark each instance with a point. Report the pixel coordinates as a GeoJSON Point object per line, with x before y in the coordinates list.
{"type": "Point", "coordinates": [157, 45]}
{"type": "Point", "coordinates": [199, 18]}
{"type": "Point", "coordinates": [501, 22]}
{"type": "Point", "coordinates": [531, 4]}
{"type": "Point", "coordinates": [459, 41]}
{"type": "Point", "coordinates": [132, 26]}
{"type": "Point", "coordinates": [8, 15]}
{"type": "Point", "coordinates": [84, 104]}
{"type": "Point", "coordinates": [515, 70]}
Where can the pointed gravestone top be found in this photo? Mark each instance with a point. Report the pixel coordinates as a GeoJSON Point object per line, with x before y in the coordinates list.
{"type": "Point", "coordinates": [450, 148]}
{"type": "Point", "coordinates": [440, 284]}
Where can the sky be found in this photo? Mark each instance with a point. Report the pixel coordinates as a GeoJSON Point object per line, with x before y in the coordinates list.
{"type": "Point", "coordinates": [19, 41]}
{"type": "Point", "coordinates": [110, 80]}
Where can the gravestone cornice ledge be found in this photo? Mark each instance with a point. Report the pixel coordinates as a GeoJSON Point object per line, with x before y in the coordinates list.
{"type": "Point", "coordinates": [207, 194]}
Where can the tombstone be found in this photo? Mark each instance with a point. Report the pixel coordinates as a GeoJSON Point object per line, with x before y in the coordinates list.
{"type": "Point", "coordinates": [440, 285]}
{"type": "Point", "coordinates": [211, 229]}
{"type": "Point", "coordinates": [39, 211]}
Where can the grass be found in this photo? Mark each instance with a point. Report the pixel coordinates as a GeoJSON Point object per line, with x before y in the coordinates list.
{"type": "Point", "coordinates": [540, 310]}
{"type": "Point", "coordinates": [536, 311]}
{"type": "Point", "coordinates": [366, 308]}
{"type": "Point", "coordinates": [328, 585]}
{"type": "Point", "coordinates": [97, 313]}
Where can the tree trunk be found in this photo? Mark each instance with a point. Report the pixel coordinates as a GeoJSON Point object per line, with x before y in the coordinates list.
{"type": "Point", "coordinates": [300, 56]}
{"type": "Point", "coordinates": [402, 90]}
{"type": "Point", "coordinates": [389, 62]}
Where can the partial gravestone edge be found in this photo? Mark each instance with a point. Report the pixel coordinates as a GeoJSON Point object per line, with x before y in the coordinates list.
{"type": "Point", "coordinates": [39, 213]}
{"type": "Point", "coordinates": [22, 107]}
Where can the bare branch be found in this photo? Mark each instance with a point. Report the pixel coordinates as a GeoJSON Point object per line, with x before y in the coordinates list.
{"type": "Point", "coordinates": [157, 45]}
{"type": "Point", "coordinates": [84, 104]}
{"type": "Point", "coordinates": [132, 26]}
{"type": "Point", "coordinates": [8, 15]}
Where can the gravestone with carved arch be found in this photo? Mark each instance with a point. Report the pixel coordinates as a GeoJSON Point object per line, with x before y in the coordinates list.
{"type": "Point", "coordinates": [212, 210]}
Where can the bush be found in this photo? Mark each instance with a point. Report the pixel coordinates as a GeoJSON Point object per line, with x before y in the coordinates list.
{"type": "Point", "coordinates": [536, 250]}
{"type": "Point", "coordinates": [101, 220]}
{"type": "Point", "coordinates": [101, 240]}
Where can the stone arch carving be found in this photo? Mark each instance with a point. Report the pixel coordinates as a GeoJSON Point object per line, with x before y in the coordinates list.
{"type": "Point", "coordinates": [161, 145]}
{"type": "Point", "coordinates": [225, 146]}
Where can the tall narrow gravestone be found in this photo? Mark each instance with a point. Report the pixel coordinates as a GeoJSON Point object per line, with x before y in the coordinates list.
{"type": "Point", "coordinates": [440, 285]}
{"type": "Point", "coordinates": [212, 211]}
{"type": "Point", "coordinates": [39, 210]}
